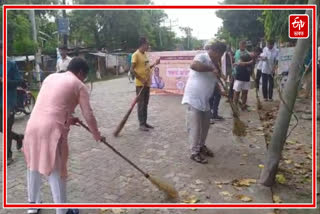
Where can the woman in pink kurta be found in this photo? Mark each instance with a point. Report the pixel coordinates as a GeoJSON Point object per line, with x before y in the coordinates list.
{"type": "Point", "coordinates": [45, 143]}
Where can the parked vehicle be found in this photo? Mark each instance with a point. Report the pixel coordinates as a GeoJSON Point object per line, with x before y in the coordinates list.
{"type": "Point", "coordinates": [26, 100]}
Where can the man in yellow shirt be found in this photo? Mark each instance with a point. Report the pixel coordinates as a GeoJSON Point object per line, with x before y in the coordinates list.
{"type": "Point", "coordinates": [142, 70]}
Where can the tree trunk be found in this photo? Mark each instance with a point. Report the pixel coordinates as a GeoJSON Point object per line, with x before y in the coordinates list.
{"type": "Point", "coordinates": [281, 126]}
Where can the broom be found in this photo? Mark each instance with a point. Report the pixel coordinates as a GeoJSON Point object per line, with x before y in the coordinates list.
{"type": "Point", "coordinates": [160, 184]}
{"type": "Point", "coordinates": [259, 105]}
{"type": "Point", "coordinates": [126, 116]}
{"type": "Point", "coordinates": [239, 127]}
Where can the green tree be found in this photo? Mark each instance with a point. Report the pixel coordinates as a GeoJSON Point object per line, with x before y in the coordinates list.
{"type": "Point", "coordinates": [116, 29]}
{"type": "Point", "coordinates": [276, 21]}
{"type": "Point", "coordinates": [241, 24]}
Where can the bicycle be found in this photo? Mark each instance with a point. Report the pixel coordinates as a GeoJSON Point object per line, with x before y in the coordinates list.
{"type": "Point", "coordinates": [26, 100]}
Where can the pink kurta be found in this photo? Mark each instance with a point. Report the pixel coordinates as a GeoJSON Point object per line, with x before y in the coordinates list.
{"type": "Point", "coordinates": [48, 127]}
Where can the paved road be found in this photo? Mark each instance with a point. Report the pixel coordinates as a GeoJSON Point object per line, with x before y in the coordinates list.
{"type": "Point", "coordinates": [97, 175]}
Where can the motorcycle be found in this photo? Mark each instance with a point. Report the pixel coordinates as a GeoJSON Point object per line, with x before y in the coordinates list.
{"type": "Point", "coordinates": [25, 100]}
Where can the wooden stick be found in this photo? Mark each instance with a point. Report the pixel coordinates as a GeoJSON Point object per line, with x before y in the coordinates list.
{"type": "Point", "coordinates": [126, 116]}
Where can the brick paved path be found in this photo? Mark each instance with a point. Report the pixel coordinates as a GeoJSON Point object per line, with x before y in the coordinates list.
{"type": "Point", "coordinates": [97, 175]}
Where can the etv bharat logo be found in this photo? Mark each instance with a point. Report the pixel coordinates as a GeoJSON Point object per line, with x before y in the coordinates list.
{"type": "Point", "coordinates": [298, 26]}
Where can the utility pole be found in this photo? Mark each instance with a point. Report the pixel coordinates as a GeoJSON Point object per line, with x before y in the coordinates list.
{"type": "Point", "coordinates": [65, 36]}
{"type": "Point", "coordinates": [160, 38]}
{"type": "Point", "coordinates": [35, 39]}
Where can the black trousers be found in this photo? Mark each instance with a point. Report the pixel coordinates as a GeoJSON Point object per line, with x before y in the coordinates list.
{"type": "Point", "coordinates": [143, 102]}
{"type": "Point", "coordinates": [214, 102]}
{"type": "Point", "coordinates": [10, 134]}
{"type": "Point", "coordinates": [267, 86]}
{"type": "Point", "coordinates": [258, 76]}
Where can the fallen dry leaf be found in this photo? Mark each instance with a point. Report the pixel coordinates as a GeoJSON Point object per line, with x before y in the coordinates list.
{"type": "Point", "coordinates": [118, 211]}
{"type": "Point", "coordinates": [281, 179]}
{"type": "Point", "coordinates": [288, 161]}
{"type": "Point", "coordinates": [310, 157]}
{"type": "Point", "coordinates": [244, 198]}
{"type": "Point", "coordinates": [276, 199]}
{"type": "Point", "coordinates": [298, 165]}
{"type": "Point", "coordinates": [291, 142]}
{"type": "Point", "coordinates": [199, 181]}
{"type": "Point", "coordinates": [225, 193]}
{"type": "Point", "coordinates": [237, 188]}
{"type": "Point", "coordinates": [261, 166]}
{"type": "Point", "coordinates": [220, 186]}
{"type": "Point", "coordinates": [191, 200]}
{"type": "Point", "coordinates": [244, 182]}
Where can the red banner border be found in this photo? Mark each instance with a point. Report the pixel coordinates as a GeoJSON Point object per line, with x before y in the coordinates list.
{"type": "Point", "coordinates": [135, 7]}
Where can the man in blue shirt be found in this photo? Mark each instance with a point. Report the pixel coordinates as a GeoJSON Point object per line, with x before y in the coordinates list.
{"type": "Point", "coordinates": [13, 81]}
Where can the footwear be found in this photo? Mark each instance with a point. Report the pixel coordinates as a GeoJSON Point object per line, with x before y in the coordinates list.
{"type": "Point", "coordinates": [19, 142]}
{"type": "Point", "coordinates": [212, 121]}
{"type": "Point", "coordinates": [143, 128]}
{"type": "Point", "coordinates": [149, 126]}
{"type": "Point", "coordinates": [271, 100]}
{"type": "Point", "coordinates": [33, 211]}
{"type": "Point", "coordinates": [9, 161]}
{"type": "Point", "coordinates": [198, 158]}
{"type": "Point", "coordinates": [265, 99]}
{"type": "Point", "coordinates": [205, 151]}
{"type": "Point", "coordinates": [73, 211]}
{"type": "Point", "coordinates": [217, 117]}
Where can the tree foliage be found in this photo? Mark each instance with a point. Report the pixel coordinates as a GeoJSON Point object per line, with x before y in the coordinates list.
{"type": "Point", "coordinates": [110, 29]}
{"type": "Point", "coordinates": [276, 21]}
{"type": "Point", "coordinates": [241, 24]}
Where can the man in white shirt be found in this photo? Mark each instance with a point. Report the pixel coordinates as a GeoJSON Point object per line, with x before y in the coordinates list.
{"type": "Point", "coordinates": [200, 86]}
{"type": "Point", "coordinates": [64, 61]}
{"type": "Point", "coordinates": [269, 66]}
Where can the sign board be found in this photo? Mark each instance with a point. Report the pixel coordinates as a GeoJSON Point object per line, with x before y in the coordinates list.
{"type": "Point", "coordinates": [171, 75]}
{"type": "Point", "coordinates": [285, 58]}
{"type": "Point", "coordinates": [63, 26]}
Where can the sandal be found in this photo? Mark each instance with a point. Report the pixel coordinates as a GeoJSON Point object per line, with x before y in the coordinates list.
{"type": "Point", "coordinates": [198, 158]}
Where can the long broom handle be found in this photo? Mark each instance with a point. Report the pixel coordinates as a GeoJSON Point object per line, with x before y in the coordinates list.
{"type": "Point", "coordinates": [117, 152]}
{"type": "Point", "coordinates": [126, 116]}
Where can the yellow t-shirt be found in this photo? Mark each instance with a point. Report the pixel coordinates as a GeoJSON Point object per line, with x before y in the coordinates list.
{"type": "Point", "coordinates": [142, 67]}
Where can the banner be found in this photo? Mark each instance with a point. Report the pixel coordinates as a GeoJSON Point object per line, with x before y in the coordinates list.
{"type": "Point", "coordinates": [171, 75]}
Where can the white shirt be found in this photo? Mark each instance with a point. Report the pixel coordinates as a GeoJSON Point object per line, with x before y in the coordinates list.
{"type": "Point", "coordinates": [271, 58]}
{"type": "Point", "coordinates": [200, 85]}
{"type": "Point", "coordinates": [62, 64]}
{"type": "Point", "coordinates": [259, 64]}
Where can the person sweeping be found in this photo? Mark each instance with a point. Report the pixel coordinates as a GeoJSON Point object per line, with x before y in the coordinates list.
{"type": "Point", "coordinates": [200, 86]}
{"type": "Point", "coordinates": [45, 143]}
